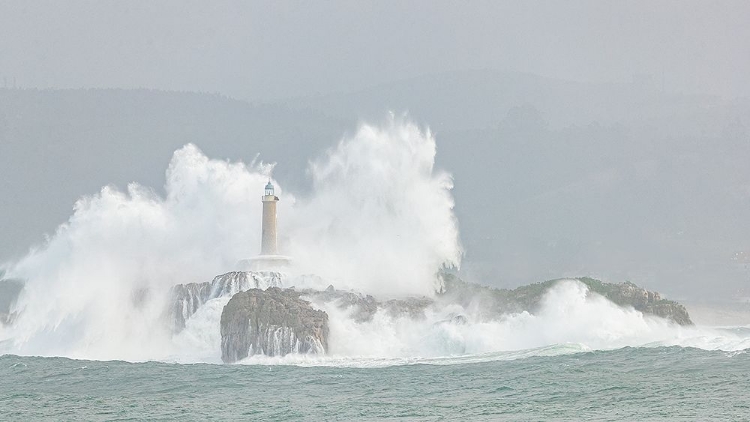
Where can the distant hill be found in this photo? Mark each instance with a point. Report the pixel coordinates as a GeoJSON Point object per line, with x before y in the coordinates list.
{"type": "Point", "coordinates": [481, 99]}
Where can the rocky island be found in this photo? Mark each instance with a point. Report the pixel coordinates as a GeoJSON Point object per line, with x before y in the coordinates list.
{"type": "Point", "coordinates": [528, 298]}
{"type": "Point", "coordinates": [263, 317]}
{"type": "Point", "coordinates": [265, 314]}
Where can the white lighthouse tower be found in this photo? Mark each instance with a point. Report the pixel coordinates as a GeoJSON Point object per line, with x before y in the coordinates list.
{"type": "Point", "coordinates": [269, 243]}
{"type": "Point", "coordinates": [269, 258]}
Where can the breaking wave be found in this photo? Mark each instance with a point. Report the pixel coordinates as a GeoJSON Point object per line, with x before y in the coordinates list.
{"type": "Point", "coordinates": [379, 220]}
{"type": "Point", "coordinates": [570, 320]}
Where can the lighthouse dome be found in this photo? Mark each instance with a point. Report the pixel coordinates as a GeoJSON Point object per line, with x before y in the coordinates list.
{"type": "Point", "coordinates": [269, 188]}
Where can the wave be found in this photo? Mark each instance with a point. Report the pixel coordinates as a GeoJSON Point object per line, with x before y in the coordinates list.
{"type": "Point", "coordinates": [570, 320]}
{"type": "Point", "coordinates": [379, 220]}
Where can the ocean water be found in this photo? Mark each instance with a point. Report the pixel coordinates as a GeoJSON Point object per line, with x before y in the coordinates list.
{"type": "Point", "coordinates": [629, 384]}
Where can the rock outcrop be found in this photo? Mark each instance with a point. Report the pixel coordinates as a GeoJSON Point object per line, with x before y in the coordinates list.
{"type": "Point", "coordinates": [263, 318]}
{"type": "Point", "coordinates": [528, 298]}
{"type": "Point", "coordinates": [365, 306]}
{"type": "Point", "coordinates": [187, 298]}
{"type": "Point", "coordinates": [646, 301]}
{"type": "Point", "coordinates": [668, 309]}
{"type": "Point", "coordinates": [274, 322]}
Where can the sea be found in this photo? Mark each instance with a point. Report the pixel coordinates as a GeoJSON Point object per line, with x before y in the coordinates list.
{"type": "Point", "coordinates": [560, 382]}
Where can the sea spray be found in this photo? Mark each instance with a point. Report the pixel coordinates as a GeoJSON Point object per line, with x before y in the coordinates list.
{"type": "Point", "coordinates": [379, 220]}
{"type": "Point", "coordinates": [99, 285]}
{"type": "Point", "coordinates": [186, 299]}
{"type": "Point", "coordinates": [571, 319]}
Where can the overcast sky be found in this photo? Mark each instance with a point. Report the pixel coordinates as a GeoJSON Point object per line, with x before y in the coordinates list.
{"type": "Point", "coordinates": [261, 50]}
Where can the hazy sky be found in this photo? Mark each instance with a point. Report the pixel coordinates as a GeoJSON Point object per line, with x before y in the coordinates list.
{"type": "Point", "coordinates": [270, 49]}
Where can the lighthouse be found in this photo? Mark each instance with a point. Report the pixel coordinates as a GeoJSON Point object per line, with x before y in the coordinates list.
{"type": "Point", "coordinates": [269, 243]}
{"type": "Point", "coordinates": [269, 258]}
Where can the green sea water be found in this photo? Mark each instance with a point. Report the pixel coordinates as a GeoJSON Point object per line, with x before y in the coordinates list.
{"type": "Point", "coordinates": [628, 384]}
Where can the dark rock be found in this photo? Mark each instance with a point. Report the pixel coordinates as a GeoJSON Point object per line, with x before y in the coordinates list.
{"type": "Point", "coordinates": [668, 309]}
{"type": "Point", "coordinates": [274, 322]}
{"type": "Point", "coordinates": [648, 302]}
{"type": "Point", "coordinates": [413, 307]}
{"type": "Point", "coordinates": [365, 306]}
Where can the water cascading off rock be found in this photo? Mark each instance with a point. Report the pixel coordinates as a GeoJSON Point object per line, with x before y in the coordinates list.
{"type": "Point", "coordinates": [187, 298]}
{"type": "Point", "coordinates": [274, 322]}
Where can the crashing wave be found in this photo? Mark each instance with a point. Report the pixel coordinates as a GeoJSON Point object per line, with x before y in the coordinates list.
{"type": "Point", "coordinates": [187, 298]}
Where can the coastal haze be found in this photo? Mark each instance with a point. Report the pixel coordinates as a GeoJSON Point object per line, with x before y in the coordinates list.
{"type": "Point", "coordinates": [585, 138]}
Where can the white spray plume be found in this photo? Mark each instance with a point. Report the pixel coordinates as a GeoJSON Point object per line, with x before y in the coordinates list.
{"type": "Point", "coordinates": [379, 220]}
{"type": "Point", "coordinates": [85, 284]}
